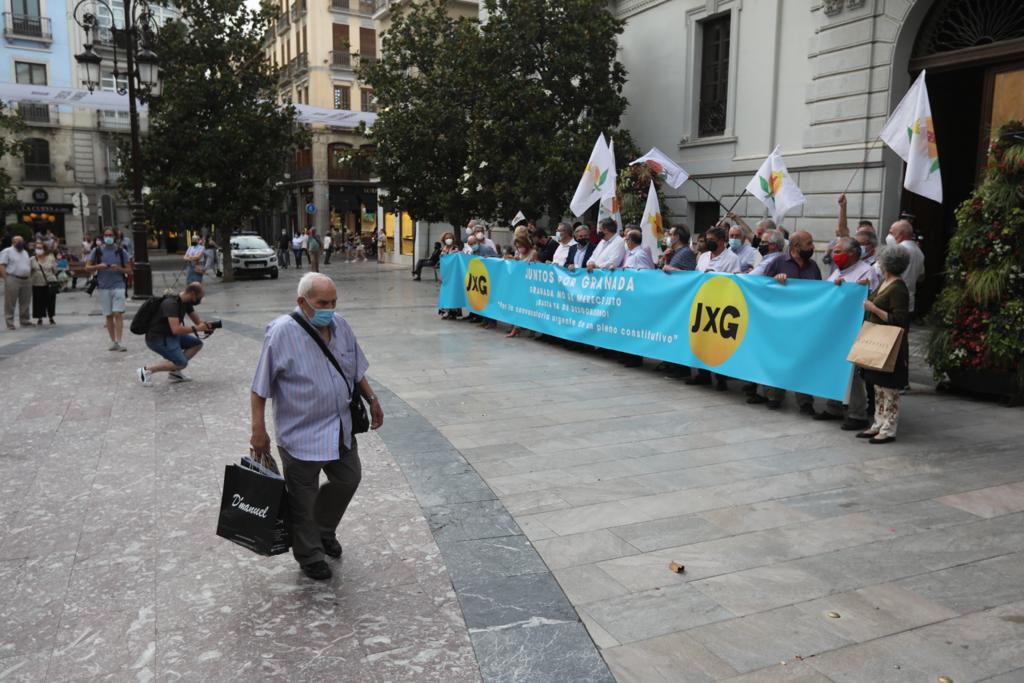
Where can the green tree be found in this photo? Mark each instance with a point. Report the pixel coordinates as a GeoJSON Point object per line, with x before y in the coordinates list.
{"type": "Point", "coordinates": [491, 119]}
{"type": "Point", "coordinates": [11, 125]}
{"type": "Point", "coordinates": [217, 136]}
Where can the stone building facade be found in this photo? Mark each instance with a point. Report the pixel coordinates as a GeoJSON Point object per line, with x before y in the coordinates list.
{"type": "Point", "coordinates": [716, 84]}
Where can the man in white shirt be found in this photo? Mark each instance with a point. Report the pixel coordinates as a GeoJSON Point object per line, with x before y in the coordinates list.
{"type": "Point", "coordinates": [638, 257]}
{"type": "Point", "coordinates": [902, 233]}
{"type": "Point", "coordinates": [850, 267]}
{"type": "Point", "coordinates": [15, 269]}
{"type": "Point", "coordinates": [610, 252]}
{"type": "Point", "coordinates": [718, 258]}
{"type": "Point", "coordinates": [565, 244]}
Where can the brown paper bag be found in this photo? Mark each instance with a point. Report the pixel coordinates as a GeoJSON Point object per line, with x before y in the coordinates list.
{"type": "Point", "coordinates": [877, 347]}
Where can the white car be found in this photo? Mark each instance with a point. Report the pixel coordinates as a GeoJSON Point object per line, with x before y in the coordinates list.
{"type": "Point", "coordinates": [250, 255]}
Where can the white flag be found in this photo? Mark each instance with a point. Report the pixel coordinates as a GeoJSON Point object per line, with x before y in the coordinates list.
{"type": "Point", "coordinates": [518, 217]}
{"type": "Point", "coordinates": [609, 206]}
{"type": "Point", "coordinates": [669, 171]}
{"type": "Point", "coordinates": [909, 132]}
{"type": "Point", "coordinates": [598, 178]}
{"type": "Point", "coordinates": [774, 187]}
{"type": "Point", "coordinates": [651, 225]}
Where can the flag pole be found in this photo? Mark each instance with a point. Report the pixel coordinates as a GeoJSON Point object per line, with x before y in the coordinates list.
{"type": "Point", "coordinates": [717, 200]}
{"type": "Point", "coordinates": [864, 161]}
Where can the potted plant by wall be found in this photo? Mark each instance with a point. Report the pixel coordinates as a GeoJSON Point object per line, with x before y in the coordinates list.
{"type": "Point", "coordinates": [977, 337]}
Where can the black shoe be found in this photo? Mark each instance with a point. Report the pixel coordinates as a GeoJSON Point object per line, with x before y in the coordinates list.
{"type": "Point", "coordinates": [721, 385]}
{"type": "Point", "coordinates": [867, 435]}
{"type": "Point", "coordinates": [825, 416]}
{"type": "Point", "coordinates": [881, 439]}
{"type": "Point", "coordinates": [318, 571]}
{"type": "Point", "coordinates": [774, 404]}
{"type": "Point", "coordinates": [807, 409]}
{"type": "Point", "coordinates": [633, 362]}
{"type": "Point", "coordinates": [756, 399]}
{"type": "Point", "coordinates": [698, 380]}
{"type": "Point", "coordinates": [749, 388]}
{"type": "Point", "coordinates": [331, 546]}
{"type": "Point", "coordinates": [850, 425]}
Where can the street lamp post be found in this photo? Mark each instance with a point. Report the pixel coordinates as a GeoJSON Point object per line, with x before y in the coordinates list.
{"type": "Point", "coordinates": [142, 75]}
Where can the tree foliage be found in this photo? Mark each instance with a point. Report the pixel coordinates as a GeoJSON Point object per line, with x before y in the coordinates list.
{"type": "Point", "coordinates": [217, 137]}
{"type": "Point", "coordinates": [11, 125]}
{"type": "Point", "coordinates": [487, 120]}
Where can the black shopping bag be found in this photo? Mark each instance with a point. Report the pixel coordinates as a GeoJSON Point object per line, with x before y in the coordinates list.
{"type": "Point", "coordinates": [253, 511]}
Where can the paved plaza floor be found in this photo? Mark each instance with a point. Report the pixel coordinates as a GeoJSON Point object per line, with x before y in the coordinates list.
{"type": "Point", "coordinates": [516, 519]}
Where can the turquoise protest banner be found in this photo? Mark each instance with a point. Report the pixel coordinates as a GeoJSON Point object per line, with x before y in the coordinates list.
{"type": "Point", "coordinates": [792, 336]}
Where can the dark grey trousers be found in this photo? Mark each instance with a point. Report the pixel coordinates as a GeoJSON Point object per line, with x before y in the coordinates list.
{"type": "Point", "coordinates": [317, 510]}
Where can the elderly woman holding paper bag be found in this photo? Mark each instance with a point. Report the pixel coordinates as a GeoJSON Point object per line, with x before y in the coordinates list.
{"type": "Point", "coordinates": [889, 304]}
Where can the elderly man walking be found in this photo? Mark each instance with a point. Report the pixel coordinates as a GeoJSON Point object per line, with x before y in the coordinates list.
{"type": "Point", "coordinates": [311, 393]}
{"type": "Point", "coordinates": [15, 269]}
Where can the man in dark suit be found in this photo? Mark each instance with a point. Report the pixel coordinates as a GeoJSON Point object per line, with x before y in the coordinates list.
{"type": "Point", "coordinates": [580, 252]}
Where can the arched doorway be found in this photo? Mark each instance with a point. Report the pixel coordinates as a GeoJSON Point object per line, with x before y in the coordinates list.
{"type": "Point", "coordinates": [973, 51]}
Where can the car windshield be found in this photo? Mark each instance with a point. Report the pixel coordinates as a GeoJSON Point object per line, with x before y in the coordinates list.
{"type": "Point", "coordinates": [247, 242]}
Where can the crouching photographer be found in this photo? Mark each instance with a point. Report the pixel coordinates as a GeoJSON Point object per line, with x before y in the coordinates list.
{"type": "Point", "coordinates": [169, 336]}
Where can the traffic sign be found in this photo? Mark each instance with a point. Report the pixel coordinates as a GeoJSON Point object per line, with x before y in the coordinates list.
{"type": "Point", "coordinates": [311, 208]}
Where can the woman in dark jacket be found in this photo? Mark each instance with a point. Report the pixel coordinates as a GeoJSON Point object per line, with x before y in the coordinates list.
{"type": "Point", "coordinates": [889, 305]}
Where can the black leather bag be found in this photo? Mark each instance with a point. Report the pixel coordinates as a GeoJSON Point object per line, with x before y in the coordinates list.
{"type": "Point", "coordinates": [357, 406]}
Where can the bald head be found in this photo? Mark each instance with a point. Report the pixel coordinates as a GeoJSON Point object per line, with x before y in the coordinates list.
{"type": "Point", "coordinates": [902, 230]}
{"type": "Point", "coordinates": [316, 285]}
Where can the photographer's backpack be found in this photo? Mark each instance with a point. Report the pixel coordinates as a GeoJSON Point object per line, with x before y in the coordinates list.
{"type": "Point", "coordinates": [143, 317]}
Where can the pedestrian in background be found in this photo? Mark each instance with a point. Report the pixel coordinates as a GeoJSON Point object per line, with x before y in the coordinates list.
{"type": "Point", "coordinates": [44, 283]}
{"type": "Point", "coordinates": [111, 265]}
{"type": "Point", "coordinates": [328, 246]}
{"type": "Point", "coordinates": [297, 249]}
{"type": "Point", "coordinates": [312, 419]}
{"type": "Point", "coordinates": [313, 248]}
{"type": "Point", "coordinates": [194, 260]}
{"type": "Point", "coordinates": [16, 269]}
{"type": "Point", "coordinates": [284, 245]}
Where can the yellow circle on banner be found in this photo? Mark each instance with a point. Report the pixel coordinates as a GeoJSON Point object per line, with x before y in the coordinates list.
{"type": "Point", "coordinates": [478, 285]}
{"type": "Point", "coordinates": [718, 320]}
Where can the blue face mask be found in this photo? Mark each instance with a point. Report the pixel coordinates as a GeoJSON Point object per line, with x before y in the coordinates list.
{"type": "Point", "coordinates": [322, 317]}
{"type": "Point", "coordinates": [863, 251]}
{"type": "Point", "coordinates": [475, 247]}
{"type": "Point", "coordinates": [108, 240]}
{"type": "Point", "coordinates": [735, 244]}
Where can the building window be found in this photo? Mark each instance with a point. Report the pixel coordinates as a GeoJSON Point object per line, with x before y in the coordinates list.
{"type": "Point", "coordinates": [343, 97]}
{"type": "Point", "coordinates": [31, 74]}
{"type": "Point", "coordinates": [367, 44]}
{"type": "Point", "coordinates": [113, 162]}
{"type": "Point", "coordinates": [113, 120]}
{"type": "Point", "coordinates": [37, 160]}
{"type": "Point", "coordinates": [366, 101]}
{"type": "Point", "coordinates": [714, 75]}
{"type": "Point", "coordinates": [25, 8]}
{"type": "Point", "coordinates": [106, 211]}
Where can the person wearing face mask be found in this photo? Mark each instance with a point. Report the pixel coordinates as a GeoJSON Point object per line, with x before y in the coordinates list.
{"type": "Point", "coordinates": [718, 258]}
{"type": "Point", "coordinates": [581, 252]}
{"type": "Point", "coordinates": [16, 268]}
{"type": "Point", "coordinates": [610, 252]}
{"type": "Point", "coordinates": [169, 337]}
{"type": "Point", "coordinates": [284, 245]}
{"type": "Point", "coordinates": [682, 258]}
{"type": "Point", "coordinates": [868, 242]}
{"type": "Point", "coordinates": [312, 421]}
{"type": "Point", "coordinates": [546, 246]}
{"type": "Point", "coordinates": [901, 234]}
{"type": "Point", "coordinates": [45, 284]}
{"type": "Point", "coordinates": [565, 244]}
{"type": "Point", "coordinates": [849, 266]}
{"type": "Point", "coordinates": [194, 260]}
{"type": "Point", "coordinates": [449, 246]}
{"type": "Point", "coordinates": [748, 256]}
{"type": "Point", "coordinates": [111, 266]}
{"type": "Point", "coordinates": [773, 245]}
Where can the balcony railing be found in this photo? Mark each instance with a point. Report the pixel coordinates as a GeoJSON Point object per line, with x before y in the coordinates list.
{"type": "Point", "coordinates": [34, 113]}
{"type": "Point", "coordinates": [341, 59]}
{"type": "Point", "coordinates": [343, 172]}
{"type": "Point", "coordinates": [300, 172]}
{"type": "Point", "coordinates": [282, 23]}
{"type": "Point", "coordinates": [38, 172]}
{"type": "Point", "coordinates": [27, 26]}
{"type": "Point", "coordinates": [113, 120]}
{"type": "Point", "coordinates": [298, 9]}
{"type": "Point", "coordinates": [366, 60]}
{"type": "Point", "coordinates": [299, 65]}
{"type": "Point", "coordinates": [365, 7]}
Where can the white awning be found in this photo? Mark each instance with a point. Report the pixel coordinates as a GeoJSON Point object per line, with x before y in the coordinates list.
{"type": "Point", "coordinates": [111, 101]}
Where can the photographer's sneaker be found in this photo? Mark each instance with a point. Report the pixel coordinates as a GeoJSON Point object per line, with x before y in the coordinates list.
{"type": "Point", "coordinates": [145, 377]}
{"type": "Point", "coordinates": [179, 376]}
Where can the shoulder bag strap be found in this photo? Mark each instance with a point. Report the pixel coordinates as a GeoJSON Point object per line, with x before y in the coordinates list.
{"type": "Point", "coordinates": [323, 347]}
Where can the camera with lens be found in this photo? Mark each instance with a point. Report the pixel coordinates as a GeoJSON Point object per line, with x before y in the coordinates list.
{"type": "Point", "coordinates": [212, 325]}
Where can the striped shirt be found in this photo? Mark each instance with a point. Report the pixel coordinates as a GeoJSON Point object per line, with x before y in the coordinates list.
{"type": "Point", "coordinates": [310, 399]}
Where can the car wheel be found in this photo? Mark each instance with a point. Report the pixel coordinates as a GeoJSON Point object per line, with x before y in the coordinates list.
{"type": "Point", "coordinates": [273, 274]}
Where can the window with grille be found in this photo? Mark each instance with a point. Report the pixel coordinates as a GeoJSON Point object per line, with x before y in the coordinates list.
{"type": "Point", "coordinates": [37, 160]}
{"type": "Point", "coordinates": [714, 75]}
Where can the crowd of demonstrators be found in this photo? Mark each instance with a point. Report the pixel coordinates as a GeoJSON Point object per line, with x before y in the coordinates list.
{"type": "Point", "coordinates": [889, 273]}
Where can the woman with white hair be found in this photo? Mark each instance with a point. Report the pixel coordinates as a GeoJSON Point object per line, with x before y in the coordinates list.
{"type": "Point", "coordinates": [889, 304]}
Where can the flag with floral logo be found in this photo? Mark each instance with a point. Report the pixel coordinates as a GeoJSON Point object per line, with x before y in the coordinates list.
{"type": "Point", "coordinates": [775, 188]}
{"type": "Point", "coordinates": [909, 132]}
{"type": "Point", "coordinates": [651, 224]}
{"type": "Point", "coordinates": [609, 206]}
{"type": "Point", "coordinates": [598, 181]}
{"type": "Point", "coordinates": [669, 171]}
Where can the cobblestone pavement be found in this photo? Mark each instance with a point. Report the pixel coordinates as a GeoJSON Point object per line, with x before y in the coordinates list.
{"type": "Point", "coordinates": [810, 556]}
